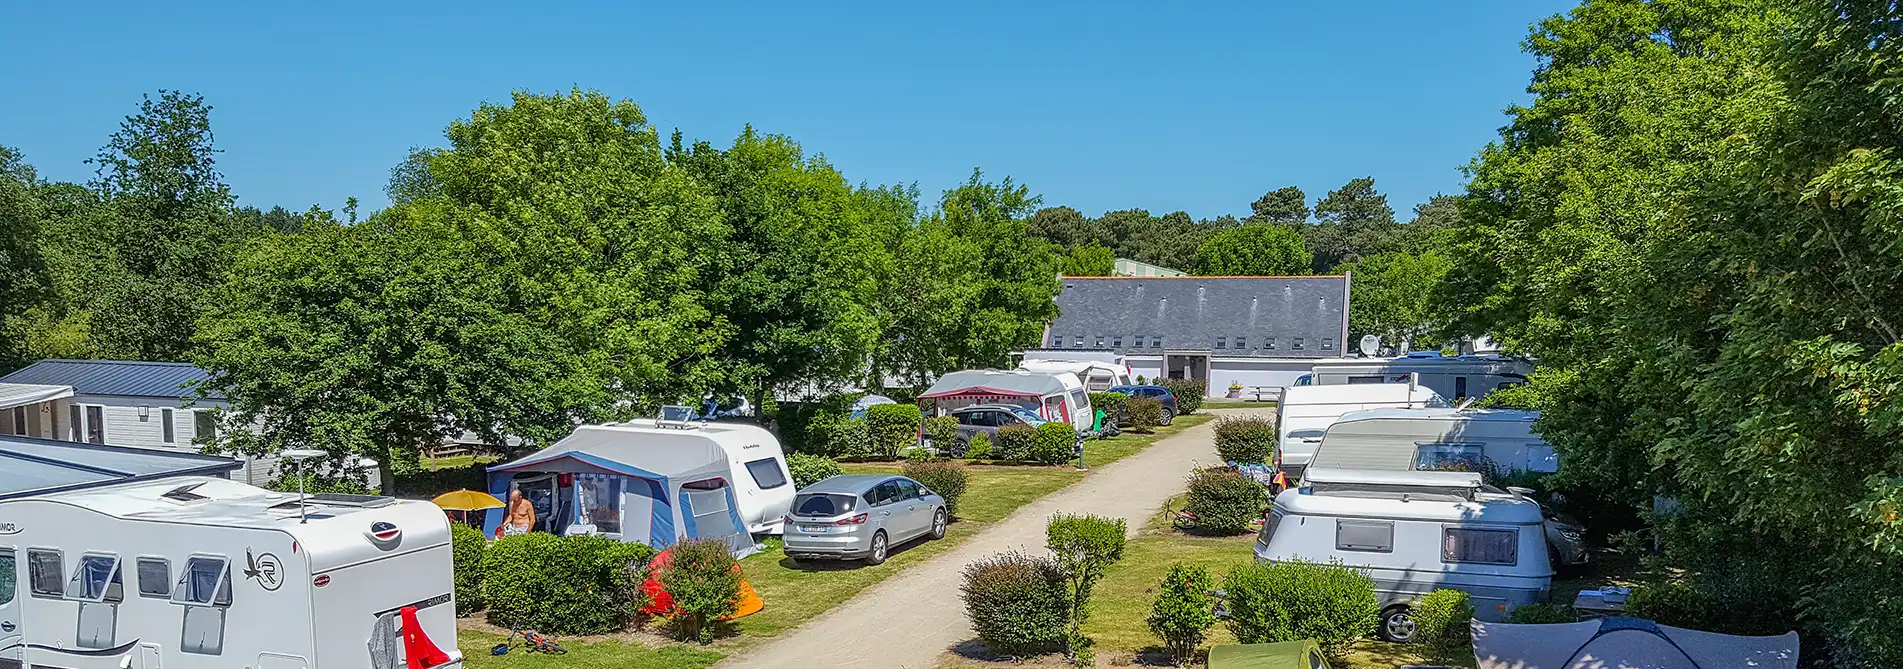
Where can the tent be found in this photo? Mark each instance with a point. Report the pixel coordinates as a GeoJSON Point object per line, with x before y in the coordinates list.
{"type": "Point", "coordinates": [1304, 654]}
{"type": "Point", "coordinates": [653, 490]}
{"type": "Point", "coordinates": [1626, 642]}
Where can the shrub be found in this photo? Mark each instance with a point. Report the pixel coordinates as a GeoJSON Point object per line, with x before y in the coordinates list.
{"type": "Point", "coordinates": [563, 585]}
{"type": "Point", "coordinates": [1014, 442]}
{"type": "Point", "coordinates": [1289, 601]}
{"type": "Point", "coordinates": [1441, 619]}
{"type": "Point", "coordinates": [1542, 613]}
{"type": "Point", "coordinates": [1189, 394]}
{"type": "Point", "coordinates": [1184, 610]}
{"type": "Point", "coordinates": [1017, 603]}
{"type": "Point", "coordinates": [1084, 546]}
{"type": "Point", "coordinates": [945, 477]}
{"type": "Point", "coordinates": [466, 545]}
{"type": "Point", "coordinates": [1054, 443]}
{"type": "Point", "coordinates": [943, 433]}
{"type": "Point", "coordinates": [704, 580]}
{"type": "Point", "coordinates": [1140, 380]}
{"type": "Point", "coordinates": [1246, 440]}
{"type": "Point", "coordinates": [894, 428]}
{"type": "Point", "coordinates": [337, 483]}
{"type": "Point", "coordinates": [1143, 414]}
{"type": "Point", "coordinates": [1224, 501]}
{"type": "Point", "coordinates": [806, 426]}
{"type": "Point", "coordinates": [979, 448]}
{"type": "Point", "coordinates": [850, 438]}
{"type": "Point", "coordinates": [1112, 404]}
{"type": "Point", "coordinates": [423, 483]}
{"type": "Point", "coordinates": [811, 469]}
{"type": "Point", "coordinates": [1677, 603]}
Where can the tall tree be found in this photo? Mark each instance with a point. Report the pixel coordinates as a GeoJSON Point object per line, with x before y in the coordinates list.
{"type": "Point", "coordinates": [1091, 260]}
{"type": "Point", "coordinates": [1353, 221]}
{"type": "Point", "coordinates": [1257, 249]}
{"type": "Point", "coordinates": [1393, 295]}
{"type": "Point", "coordinates": [1287, 205]}
{"type": "Point", "coordinates": [1068, 228]}
{"type": "Point", "coordinates": [23, 281]}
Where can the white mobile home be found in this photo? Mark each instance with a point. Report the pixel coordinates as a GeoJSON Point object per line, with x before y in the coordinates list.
{"type": "Point", "coordinates": [1404, 439]}
{"type": "Point", "coordinates": [1413, 532]}
{"type": "Point", "coordinates": [1454, 377]}
{"type": "Point", "coordinates": [1096, 375]}
{"type": "Point", "coordinates": [121, 559]}
{"type": "Point", "coordinates": [1306, 412]}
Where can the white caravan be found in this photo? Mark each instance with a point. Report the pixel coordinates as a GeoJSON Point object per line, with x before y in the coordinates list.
{"type": "Point", "coordinates": [1096, 375]}
{"type": "Point", "coordinates": [206, 573]}
{"type": "Point", "coordinates": [1413, 532]}
{"type": "Point", "coordinates": [1306, 412]}
{"type": "Point", "coordinates": [1404, 439]}
{"type": "Point", "coordinates": [1455, 377]}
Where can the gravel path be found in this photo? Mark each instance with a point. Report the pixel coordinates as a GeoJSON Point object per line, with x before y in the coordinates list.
{"type": "Point", "coordinates": [909, 620]}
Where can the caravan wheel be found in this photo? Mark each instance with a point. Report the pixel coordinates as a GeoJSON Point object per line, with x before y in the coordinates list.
{"type": "Point", "coordinates": [1397, 625]}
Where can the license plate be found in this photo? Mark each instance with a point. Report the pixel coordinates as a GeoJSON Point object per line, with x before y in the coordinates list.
{"type": "Point", "coordinates": [814, 529]}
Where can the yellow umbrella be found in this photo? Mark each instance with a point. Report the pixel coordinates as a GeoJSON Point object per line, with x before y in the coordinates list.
{"type": "Point", "coordinates": [467, 500]}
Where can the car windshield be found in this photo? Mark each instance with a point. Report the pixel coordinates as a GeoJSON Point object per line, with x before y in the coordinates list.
{"type": "Point", "coordinates": [820, 504]}
{"type": "Point", "coordinates": [1028, 416]}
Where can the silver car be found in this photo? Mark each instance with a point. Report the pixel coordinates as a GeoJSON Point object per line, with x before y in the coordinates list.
{"type": "Point", "coordinates": [860, 517]}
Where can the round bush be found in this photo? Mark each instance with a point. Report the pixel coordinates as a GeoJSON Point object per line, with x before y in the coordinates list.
{"type": "Point", "coordinates": [942, 431]}
{"type": "Point", "coordinates": [811, 469]}
{"type": "Point", "coordinates": [1184, 610]}
{"type": "Point", "coordinates": [466, 545]}
{"type": "Point", "coordinates": [1246, 440]}
{"type": "Point", "coordinates": [850, 438]}
{"type": "Point", "coordinates": [945, 477]}
{"type": "Point", "coordinates": [979, 448]}
{"type": "Point", "coordinates": [894, 428]}
{"type": "Point", "coordinates": [1224, 501]}
{"type": "Point", "coordinates": [1189, 394]}
{"type": "Point", "coordinates": [1054, 444]}
{"type": "Point", "coordinates": [1143, 414]}
{"type": "Point", "coordinates": [1290, 601]}
{"type": "Point", "coordinates": [1017, 603]}
{"type": "Point", "coordinates": [703, 579]}
{"type": "Point", "coordinates": [1678, 603]}
{"type": "Point", "coordinates": [1014, 442]}
{"type": "Point", "coordinates": [563, 585]}
{"type": "Point", "coordinates": [1442, 619]}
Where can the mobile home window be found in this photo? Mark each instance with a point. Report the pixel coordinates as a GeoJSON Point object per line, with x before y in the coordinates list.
{"type": "Point", "coordinates": [95, 425]}
{"type": "Point", "coordinates": [1460, 387]}
{"type": "Point", "coordinates": [1365, 536]}
{"type": "Point", "coordinates": [77, 427]}
{"type": "Point", "coordinates": [766, 472]}
{"type": "Point", "coordinates": [45, 572]}
{"type": "Point", "coordinates": [1436, 456]}
{"type": "Point", "coordinates": [155, 577]}
{"type": "Point", "coordinates": [165, 417]}
{"type": "Point", "coordinates": [204, 427]}
{"type": "Point", "coordinates": [95, 579]}
{"type": "Point", "coordinates": [19, 420]}
{"type": "Point", "coordinates": [1475, 545]}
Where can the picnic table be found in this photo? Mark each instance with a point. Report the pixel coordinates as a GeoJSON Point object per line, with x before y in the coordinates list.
{"type": "Point", "coordinates": [1604, 603]}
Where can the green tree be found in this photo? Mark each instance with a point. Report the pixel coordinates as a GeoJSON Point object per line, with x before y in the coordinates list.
{"type": "Point", "coordinates": [1259, 249]}
{"type": "Point", "coordinates": [22, 272]}
{"type": "Point", "coordinates": [1393, 295]}
{"type": "Point", "coordinates": [1352, 221]}
{"type": "Point", "coordinates": [1287, 205]}
{"type": "Point", "coordinates": [1091, 260]}
{"type": "Point", "coordinates": [1068, 228]}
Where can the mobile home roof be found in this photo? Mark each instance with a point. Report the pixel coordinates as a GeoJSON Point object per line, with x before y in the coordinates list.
{"type": "Point", "coordinates": [31, 466]}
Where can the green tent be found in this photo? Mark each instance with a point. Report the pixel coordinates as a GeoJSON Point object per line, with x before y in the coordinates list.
{"type": "Point", "coordinates": [1305, 654]}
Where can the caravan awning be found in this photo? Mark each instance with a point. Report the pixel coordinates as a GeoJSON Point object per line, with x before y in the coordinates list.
{"type": "Point", "coordinates": [23, 394]}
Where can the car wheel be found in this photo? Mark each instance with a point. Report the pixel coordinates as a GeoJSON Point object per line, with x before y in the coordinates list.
{"type": "Point", "coordinates": [1397, 625]}
{"type": "Point", "coordinates": [877, 556]}
{"type": "Point", "coordinates": [938, 524]}
{"type": "Point", "coordinates": [1168, 416]}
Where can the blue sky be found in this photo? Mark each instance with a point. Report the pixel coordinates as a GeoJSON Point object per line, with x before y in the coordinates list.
{"type": "Point", "coordinates": [1098, 105]}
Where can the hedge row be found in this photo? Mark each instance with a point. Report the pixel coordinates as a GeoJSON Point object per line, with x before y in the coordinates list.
{"type": "Point", "coordinates": [563, 585]}
{"type": "Point", "coordinates": [1189, 394]}
{"type": "Point", "coordinates": [1295, 600]}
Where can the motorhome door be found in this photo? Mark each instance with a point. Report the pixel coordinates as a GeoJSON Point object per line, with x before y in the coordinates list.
{"type": "Point", "coordinates": [12, 638]}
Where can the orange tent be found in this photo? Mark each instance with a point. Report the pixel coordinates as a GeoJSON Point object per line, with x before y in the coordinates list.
{"type": "Point", "coordinates": [661, 604]}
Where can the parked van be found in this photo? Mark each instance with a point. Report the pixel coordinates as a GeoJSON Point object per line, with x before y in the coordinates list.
{"type": "Point", "coordinates": [1096, 375]}
{"type": "Point", "coordinates": [1054, 396]}
{"type": "Point", "coordinates": [1306, 412]}
{"type": "Point", "coordinates": [1414, 532]}
{"type": "Point", "coordinates": [1454, 377]}
{"type": "Point", "coordinates": [1404, 439]}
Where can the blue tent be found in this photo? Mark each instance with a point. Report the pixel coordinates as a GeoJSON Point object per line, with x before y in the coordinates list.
{"type": "Point", "coordinates": [632, 484]}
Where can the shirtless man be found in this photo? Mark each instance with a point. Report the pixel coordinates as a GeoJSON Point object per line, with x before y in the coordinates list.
{"type": "Point", "coordinates": [521, 515]}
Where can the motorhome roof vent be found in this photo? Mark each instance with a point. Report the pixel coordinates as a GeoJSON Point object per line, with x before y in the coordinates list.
{"type": "Point", "coordinates": [184, 493]}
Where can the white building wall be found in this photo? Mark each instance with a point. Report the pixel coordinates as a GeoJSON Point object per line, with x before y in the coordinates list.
{"type": "Point", "coordinates": [1149, 367]}
{"type": "Point", "coordinates": [1278, 372]}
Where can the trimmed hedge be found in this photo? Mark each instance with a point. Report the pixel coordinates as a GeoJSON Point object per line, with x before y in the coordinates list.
{"type": "Point", "coordinates": [563, 585]}
{"type": "Point", "coordinates": [466, 545]}
{"type": "Point", "coordinates": [943, 433]}
{"type": "Point", "coordinates": [1246, 440]}
{"type": "Point", "coordinates": [1055, 443]}
{"type": "Point", "coordinates": [945, 477]}
{"type": "Point", "coordinates": [811, 469]}
{"type": "Point", "coordinates": [894, 428]}
{"type": "Point", "coordinates": [1295, 600]}
{"type": "Point", "coordinates": [850, 438]}
{"type": "Point", "coordinates": [704, 581]}
{"type": "Point", "coordinates": [1189, 394]}
{"type": "Point", "coordinates": [1143, 414]}
{"type": "Point", "coordinates": [1014, 442]}
{"type": "Point", "coordinates": [1184, 610]}
{"type": "Point", "coordinates": [1441, 619]}
{"type": "Point", "coordinates": [1224, 501]}
{"type": "Point", "coordinates": [1018, 604]}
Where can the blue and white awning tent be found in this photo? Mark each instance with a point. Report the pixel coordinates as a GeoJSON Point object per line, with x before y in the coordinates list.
{"type": "Point", "coordinates": [643, 487]}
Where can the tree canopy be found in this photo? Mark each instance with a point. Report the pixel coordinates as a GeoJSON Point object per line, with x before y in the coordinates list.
{"type": "Point", "coordinates": [1257, 249]}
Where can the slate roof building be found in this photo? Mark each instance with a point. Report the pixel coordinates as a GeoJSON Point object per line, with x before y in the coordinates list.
{"type": "Point", "coordinates": [1250, 331]}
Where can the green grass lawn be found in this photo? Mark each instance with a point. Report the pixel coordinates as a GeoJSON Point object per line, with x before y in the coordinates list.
{"type": "Point", "coordinates": [1226, 403]}
{"type": "Point", "coordinates": [599, 655]}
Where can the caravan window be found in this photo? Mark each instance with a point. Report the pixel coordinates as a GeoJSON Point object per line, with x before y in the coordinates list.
{"type": "Point", "coordinates": [1441, 456]}
{"type": "Point", "coordinates": [8, 572]}
{"type": "Point", "coordinates": [1366, 536]}
{"type": "Point", "coordinates": [204, 581]}
{"type": "Point", "coordinates": [1475, 545]}
{"type": "Point", "coordinates": [1377, 378]}
{"type": "Point", "coordinates": [1078, 399]}
{"type": "Point", "coordinates": [600, 502]}
{"type": "Point", "coordinates": [45, 570]}
{"type": "Point", "coordinates": [95, 579]}
{"type": "Point", "coordinates": [155, 577]}
{"type": "Point", "coordinates": [766, 472]}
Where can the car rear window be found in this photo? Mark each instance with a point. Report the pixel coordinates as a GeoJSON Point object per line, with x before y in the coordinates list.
{"type": "Point", "coordinates": [822, 504]}
{"type": "Point", "coordinates": [766, 472]}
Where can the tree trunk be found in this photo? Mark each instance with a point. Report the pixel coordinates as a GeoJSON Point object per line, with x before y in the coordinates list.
{"type": "Point", "coordinates": [386, 472]}
{"type": "Point", "coordinates": [759, 405]}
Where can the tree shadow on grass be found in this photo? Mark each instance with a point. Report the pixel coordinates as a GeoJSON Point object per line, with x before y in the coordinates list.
{"type": "Point", "coordinates": [849, 565]}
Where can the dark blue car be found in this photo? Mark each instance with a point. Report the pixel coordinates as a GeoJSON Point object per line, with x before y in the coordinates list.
{"type": "Point", "coordinates": [1159, 393]}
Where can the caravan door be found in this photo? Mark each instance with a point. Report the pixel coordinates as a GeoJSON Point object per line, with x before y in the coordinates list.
{"type": "Point", "coordinates": [12, 638]}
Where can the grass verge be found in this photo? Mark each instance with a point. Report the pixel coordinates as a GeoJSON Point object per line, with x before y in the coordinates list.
{"type": "Point", "coordinates": [599, 655]}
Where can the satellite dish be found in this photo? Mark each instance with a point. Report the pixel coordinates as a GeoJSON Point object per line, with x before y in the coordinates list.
{"type": "Point", "coordinates": [1370, 345]}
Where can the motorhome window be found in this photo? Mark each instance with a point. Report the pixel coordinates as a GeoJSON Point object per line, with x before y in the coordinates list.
{"type": "Point", "coordinates": [600, 502]}
{"type": "Point", "coordinates": [1429, 457]}
{"type": "Point", "coordinates": [155, 577]}
{"type": "Point", "coordinates": [822, 504]}
{"type": "Point", "coordinates": [205, 581]}
{"type": "Point", "coordinates": [1268, 528]}
{"type": "Point", "coordinates": [9, 573]}
{"type": "Point", "coordinates": [1366, 536]}
{"type": "Point", "coordinates": [1460, 387]}
{"type": "Point", "coordinates": [1377, 378]}
{"type": "Point", "coordinates": [204, 427]}
{"type": "Point", "coordinates": [45, 573]}
{"type": "Point", "coordinates": [95, 425]}
{"type": "Point", "coordinates": [165, 424]}
{"type": "Point", "coordinates": [1474, 545]}
{"type": "Point", "coordinates": [96, 579]}
{"type": "Point", "coordinates": [766, 472]}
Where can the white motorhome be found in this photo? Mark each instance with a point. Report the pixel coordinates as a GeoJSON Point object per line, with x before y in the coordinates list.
{"type": "Point", "coordinates": [1096, 375]}
{"type": "Point", "coordinates": [1414, 532]}
{"type": "Point", "coordinates": [1306, 412]}
{"type": "Point", "coordinates": [202, 572]}
{"type": "Point", "coordinates": [1454, 377]}
{"type": "Point", "coordinates": [1404, 439]}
